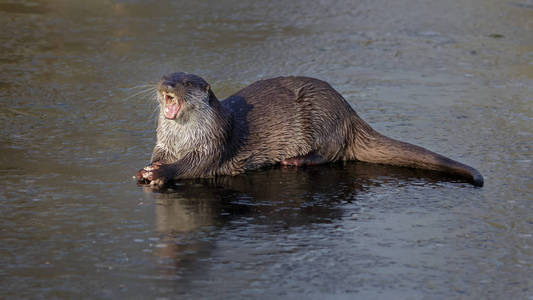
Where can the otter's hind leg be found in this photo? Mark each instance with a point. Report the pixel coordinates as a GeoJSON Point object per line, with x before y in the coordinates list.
{"type": "Point", "coordinates": [305, 160]}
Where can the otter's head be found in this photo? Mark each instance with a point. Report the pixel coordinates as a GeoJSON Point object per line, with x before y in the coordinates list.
{"type": "Point", "coordinates": [181, 95]}
{"type": "Point", "coordinates": [191, 117]}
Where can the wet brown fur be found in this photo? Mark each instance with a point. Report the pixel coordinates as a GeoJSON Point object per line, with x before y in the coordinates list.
{"type": "Point", "coordinates": [271, 122]}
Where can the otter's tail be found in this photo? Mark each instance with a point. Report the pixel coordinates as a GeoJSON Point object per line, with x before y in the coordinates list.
{"type": "Point", "coordinates": [370, 146]}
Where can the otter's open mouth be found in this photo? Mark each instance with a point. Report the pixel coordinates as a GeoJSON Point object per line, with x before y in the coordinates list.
{"type": "Point", "coordinates": [172, 106]}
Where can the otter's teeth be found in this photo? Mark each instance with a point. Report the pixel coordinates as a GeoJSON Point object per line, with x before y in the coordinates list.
{"type": "Point", "coordinates": [166, 109]}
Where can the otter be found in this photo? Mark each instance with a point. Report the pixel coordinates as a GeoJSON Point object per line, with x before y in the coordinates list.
{"type": "Point", "coordinates": [293, 121]}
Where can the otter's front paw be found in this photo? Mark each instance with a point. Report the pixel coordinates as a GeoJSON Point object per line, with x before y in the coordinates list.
{"type": "Point", "coordinates": [156, 174]}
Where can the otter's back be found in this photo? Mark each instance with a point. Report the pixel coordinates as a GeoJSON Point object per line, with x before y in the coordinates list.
{"type": "Point", "coordinates": [285, 117]}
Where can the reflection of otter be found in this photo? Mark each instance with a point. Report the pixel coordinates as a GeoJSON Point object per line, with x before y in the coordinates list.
{"type": "Point", "coordinates": [286, 120]}
{"type": "Point", "coordinates": [283, 196]}
{"type": "Point", "coordinates": [270, 193]}
{"type": "Point", "coordinates": [191, 216]}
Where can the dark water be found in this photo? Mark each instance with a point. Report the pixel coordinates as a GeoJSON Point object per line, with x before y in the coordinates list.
{"type": "Point", "coordinates": [455, 77]}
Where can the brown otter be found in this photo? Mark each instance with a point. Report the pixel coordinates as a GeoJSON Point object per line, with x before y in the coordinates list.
{"type": "Point", "coordinates": [284, 120]}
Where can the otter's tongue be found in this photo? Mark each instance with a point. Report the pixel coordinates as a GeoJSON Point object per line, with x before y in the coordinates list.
{"type": "Point", "coordinates": [171, 110]}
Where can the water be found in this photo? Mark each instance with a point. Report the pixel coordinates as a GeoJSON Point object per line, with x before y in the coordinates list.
{"type": "Point", "coordinates": [452, 77]}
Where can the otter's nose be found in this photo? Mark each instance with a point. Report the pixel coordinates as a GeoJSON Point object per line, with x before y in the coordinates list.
{"type": "Point", "coordinates": [170, 86]}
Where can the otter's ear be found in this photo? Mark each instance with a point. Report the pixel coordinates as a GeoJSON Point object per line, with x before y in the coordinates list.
{"type": "Point", "coordinates": [207, 88]}
{"type": "Point", "coordinates": [212, 98]}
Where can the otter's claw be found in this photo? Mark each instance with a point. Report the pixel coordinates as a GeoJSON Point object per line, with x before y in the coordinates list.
{"type": "Point", "coordinates": [153, 174]}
